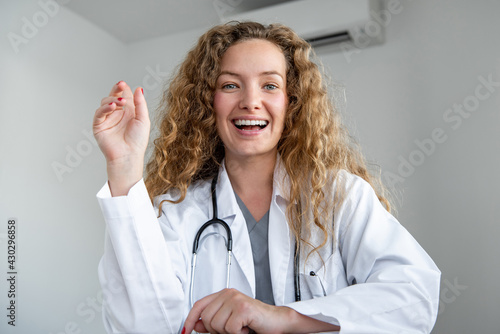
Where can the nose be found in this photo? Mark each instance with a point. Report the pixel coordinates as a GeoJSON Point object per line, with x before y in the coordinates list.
{"type": "Point", "coordinates": [250, 99]}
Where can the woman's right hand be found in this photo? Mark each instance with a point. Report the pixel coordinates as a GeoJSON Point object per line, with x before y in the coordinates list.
{"type": "Point", "coordinates": [121, 127]}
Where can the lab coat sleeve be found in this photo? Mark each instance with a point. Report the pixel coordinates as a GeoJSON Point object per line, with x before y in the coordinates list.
{"type": "Point", "coordinates": [140, 272]}
{"type": "Point", "coordinates": [393, 283]}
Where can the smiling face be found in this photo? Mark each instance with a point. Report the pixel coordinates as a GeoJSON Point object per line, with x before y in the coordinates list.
{"type": "Point", "coordinates": [250, 99]}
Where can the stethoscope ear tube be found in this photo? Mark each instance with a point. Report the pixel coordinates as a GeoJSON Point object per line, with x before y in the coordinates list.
{"type": "Point", "coordinates": [214, 220]}
{"type": "Point", "coordinates": [207, 224]}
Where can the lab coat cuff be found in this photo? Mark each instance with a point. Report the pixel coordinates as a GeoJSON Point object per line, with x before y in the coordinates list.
{"type": "Point", "coordinates": [123, 206]}
{"type": "Point", "coordinates": [312, 309]}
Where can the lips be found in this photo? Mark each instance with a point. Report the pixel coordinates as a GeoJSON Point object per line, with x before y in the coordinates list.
{"type": "Point", "coordinates": [249, 125]}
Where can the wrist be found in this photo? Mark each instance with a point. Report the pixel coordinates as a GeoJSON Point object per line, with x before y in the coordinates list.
{"type": "Point", "coordinates": [124, 175]}
{"type": "Point", "coordinates": [299, 323]}
{"type": "Point", "coordinates": [291, 319]}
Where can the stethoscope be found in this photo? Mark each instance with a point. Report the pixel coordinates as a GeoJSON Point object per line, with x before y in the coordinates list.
{"type": "Point", "coordinates": [216, 220]}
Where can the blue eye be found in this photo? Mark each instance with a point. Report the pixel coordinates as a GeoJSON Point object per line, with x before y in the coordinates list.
{"type": "Point", "coordinates": [270, 87]}
{"type": "Point", "coordinates": [229, 86]}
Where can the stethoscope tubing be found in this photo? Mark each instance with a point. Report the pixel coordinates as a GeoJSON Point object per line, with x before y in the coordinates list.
{"type": "Point", "coordinates": [216, 220]}
{"type": "Point", "coordinates": [196, 242]}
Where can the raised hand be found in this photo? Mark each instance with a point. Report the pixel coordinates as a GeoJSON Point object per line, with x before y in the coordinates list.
{"type": "Point", "coordinates": [121, 127]}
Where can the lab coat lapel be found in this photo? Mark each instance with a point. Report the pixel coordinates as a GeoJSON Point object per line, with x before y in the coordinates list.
{"type": "Point", "coordinates": [280, 245]}
{"type": "Point", "coordinates": [229, 211]}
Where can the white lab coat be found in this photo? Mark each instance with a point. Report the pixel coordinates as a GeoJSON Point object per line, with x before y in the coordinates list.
{"type": "Point", "coordinates": [146, 266]}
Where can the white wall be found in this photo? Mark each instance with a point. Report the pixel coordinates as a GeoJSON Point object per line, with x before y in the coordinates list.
{"type": "Point", "coordinates": [49, 90]}
{"type": "Point", "coordinates": [396, 93]}
{"type": "Point", "coordinates": [399, 93]}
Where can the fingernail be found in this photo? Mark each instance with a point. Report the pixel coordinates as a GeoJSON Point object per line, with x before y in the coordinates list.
{"type": "Point", "coordinates": [142, 90]}
{"type": "Point", "coordinates": [118, 82]}
{"type": "Point", "coordinates": [111, 103]}
{"type": "Point", "coordinates": [120, 98]}
{"type": "Point", "coordinates": [183, 330]}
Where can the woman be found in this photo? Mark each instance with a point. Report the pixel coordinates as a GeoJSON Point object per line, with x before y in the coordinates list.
{"type": "Point", "coordinates": [248, 109]}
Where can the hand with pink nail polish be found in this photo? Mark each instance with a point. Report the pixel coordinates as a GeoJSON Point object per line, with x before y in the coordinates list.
{"type": "Point", "coordinates": [121, 127]}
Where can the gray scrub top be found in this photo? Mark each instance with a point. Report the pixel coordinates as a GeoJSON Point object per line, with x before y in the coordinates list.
{"type": "Point", "coordinates": [258, 232]}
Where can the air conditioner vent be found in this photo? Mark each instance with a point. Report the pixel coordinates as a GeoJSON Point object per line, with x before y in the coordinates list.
{"type": "Point", "coordinates": [334, 38]}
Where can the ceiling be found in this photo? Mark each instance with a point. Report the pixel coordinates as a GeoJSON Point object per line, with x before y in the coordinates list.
{"type": "Point", "coordinates": [131, 20]}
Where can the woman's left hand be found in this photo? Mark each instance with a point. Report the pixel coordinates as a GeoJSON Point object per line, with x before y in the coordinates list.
{"type": "Point", "coordinates": [230, 311]}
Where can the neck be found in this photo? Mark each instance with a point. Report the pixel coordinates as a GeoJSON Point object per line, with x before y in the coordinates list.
{"type": "Point", "coordinates": [252, 180]}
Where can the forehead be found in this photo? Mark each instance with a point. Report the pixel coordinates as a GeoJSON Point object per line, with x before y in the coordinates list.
{"type": "Point", "coordinates": [254, 55]}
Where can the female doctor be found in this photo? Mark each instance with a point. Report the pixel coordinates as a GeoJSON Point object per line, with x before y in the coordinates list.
{"type": "Point", "coordinates": [248, 111]}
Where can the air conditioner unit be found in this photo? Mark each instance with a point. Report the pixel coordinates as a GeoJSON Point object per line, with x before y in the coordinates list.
{"type": "Point", "coordinates": [326, 22]}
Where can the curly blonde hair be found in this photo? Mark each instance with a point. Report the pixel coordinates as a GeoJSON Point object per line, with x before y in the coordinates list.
{"type": "Point", "coordinates": [314, 141]}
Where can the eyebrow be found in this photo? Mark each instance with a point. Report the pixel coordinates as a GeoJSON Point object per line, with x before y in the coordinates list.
{"type": "Point", "coordinates": [260, 74]}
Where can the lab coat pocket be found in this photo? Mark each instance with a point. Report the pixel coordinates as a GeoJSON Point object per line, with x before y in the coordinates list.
{"type": "Point", "coordinates": [324, 279]}
{"type": "Point", "coordinates": [314, 285]}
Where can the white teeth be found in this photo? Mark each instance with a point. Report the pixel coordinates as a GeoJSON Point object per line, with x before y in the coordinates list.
{"type": "Point", "coordinates": [241, 122]}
